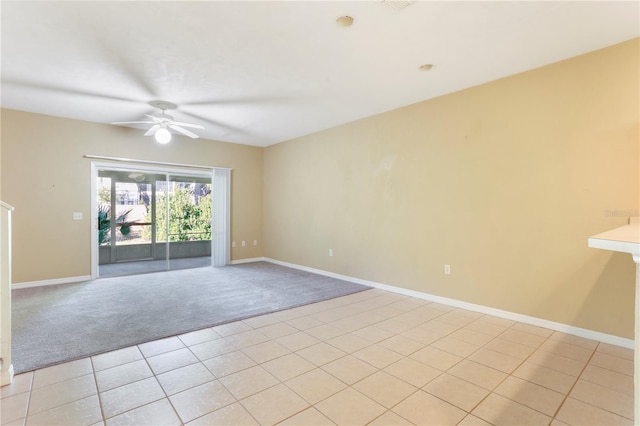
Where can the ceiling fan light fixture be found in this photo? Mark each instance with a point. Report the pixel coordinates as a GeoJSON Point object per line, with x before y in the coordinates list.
{"type": "Point", "coordinates": [162, 135]}
{"type": "Point", "coordinates": [162, 122]}
{"type": "Point", "coordinates": [138, 177]}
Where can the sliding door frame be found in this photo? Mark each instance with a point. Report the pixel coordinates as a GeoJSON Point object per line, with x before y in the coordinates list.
{"type": "Point", "coordinates": [221, 208]}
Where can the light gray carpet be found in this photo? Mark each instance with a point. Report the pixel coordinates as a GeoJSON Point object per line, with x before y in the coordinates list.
{"type": "Point", "coordinates": [61, 323]}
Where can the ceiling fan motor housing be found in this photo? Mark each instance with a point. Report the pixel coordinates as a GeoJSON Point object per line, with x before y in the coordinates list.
{"type": "Point", "coordinates": [163, 105]}
{"type": "Point", "coordinates": [162, 116]}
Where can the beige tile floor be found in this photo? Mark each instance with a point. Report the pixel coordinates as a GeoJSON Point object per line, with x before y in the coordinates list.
{"type": "Point", "coordinates": [369, 358]}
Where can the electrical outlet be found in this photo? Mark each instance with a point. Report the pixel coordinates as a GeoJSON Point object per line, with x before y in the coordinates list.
{"type": "Point", "coordinates": [77, 215]}
{"type": "Point", "coordinates": [244, 243]}
{"type": "Point", "coordinates": [233, 243]}
{"type": "Point", "coordinates": [330, 252]}
{"type": "Point", "coordinates": [447, 269]}
{"type": "Point", "coordinates": [255, 242]}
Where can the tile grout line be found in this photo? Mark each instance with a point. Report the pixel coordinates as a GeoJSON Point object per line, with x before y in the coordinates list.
{"type": "Point", "coordinates": [26, 413]}
{"type": "Point", "coordinates": [104, 418]}
{"type": "Point", "coordinates": [155, 376]}
{"type": "Point", "coordinates": [216, 378]}
{"type": "Point", "coordinates": [417, 389]}
{"type": "Point", "coordinates": [409, 356]}
{"type": "Point", "coordinates": [98, 393]}
{"type": "Point", "coordinates": [53, 384]}
{"type": "Point", "coordinates": [595, 351]}
{"type": "Point", "coordinates": [348, 386]}
{"type": "Point", "coordinates": [507, 374]}
{"type": "Point", "coordinates": [555, 414]}
{"type": "Point", "coordinates": [135, 381]}
{"type": "Point", "coordinates": [280, 381]}
{"type": "Point", "coordinates": [467, 412]}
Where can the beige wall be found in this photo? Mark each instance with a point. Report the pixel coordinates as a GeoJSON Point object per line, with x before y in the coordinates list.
{"type": "Point", "coordinates": [504, 181]}
{"type": "Point", "coordinates": [45, 176]}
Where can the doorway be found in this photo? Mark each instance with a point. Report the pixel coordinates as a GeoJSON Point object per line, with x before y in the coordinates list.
{"type": "Point", "coordinates": [151, 220]}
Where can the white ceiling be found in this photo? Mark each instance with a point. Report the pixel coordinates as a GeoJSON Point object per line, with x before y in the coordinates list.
{"type": "Point", "coordinates": [263, 72]}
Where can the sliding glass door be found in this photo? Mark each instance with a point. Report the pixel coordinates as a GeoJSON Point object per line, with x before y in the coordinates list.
{"type": "Point", "coordinates": [150, 220]}
{"type": "Point", "coordinates": [186, 209]}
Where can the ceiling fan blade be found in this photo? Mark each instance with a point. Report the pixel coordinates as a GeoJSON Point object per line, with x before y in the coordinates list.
{"type": "Point", "coordinates": [65, 90]}
{"type": "Point", "coordinates": [152, 130]}
{"type": "Point", "coordinates": [183, 131]}
{"type": "Point", "coordinates": [216, 123]}
{"type": "Point", "coordinates": [154, 118]}
{"type": "Point", "coordinates": [126, 64]}
{"type": "Point", "coordinates": [134, 122]}
{"type": "Point", "coordinates": [194, 126]}
{"type": "Point", "coordinates": [265, 98]}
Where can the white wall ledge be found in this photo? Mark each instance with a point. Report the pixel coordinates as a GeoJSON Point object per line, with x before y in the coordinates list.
{"type": "Point", "coordinates": [625, 239]}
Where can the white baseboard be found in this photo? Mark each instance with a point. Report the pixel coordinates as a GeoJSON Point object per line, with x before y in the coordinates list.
{"type": "Point", "coordinates": [551, 325]}
{"type": "Point", "coordinates": [54, 281]}
{"type": "Point", "coordinates": [250, 260]}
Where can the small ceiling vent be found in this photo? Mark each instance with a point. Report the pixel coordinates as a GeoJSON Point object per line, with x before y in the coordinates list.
{"type": "Point", "coordinates": [397, 4]}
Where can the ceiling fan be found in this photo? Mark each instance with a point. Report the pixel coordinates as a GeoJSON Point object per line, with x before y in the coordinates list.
{"type": "Point", "coordinates": [162, 122]}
